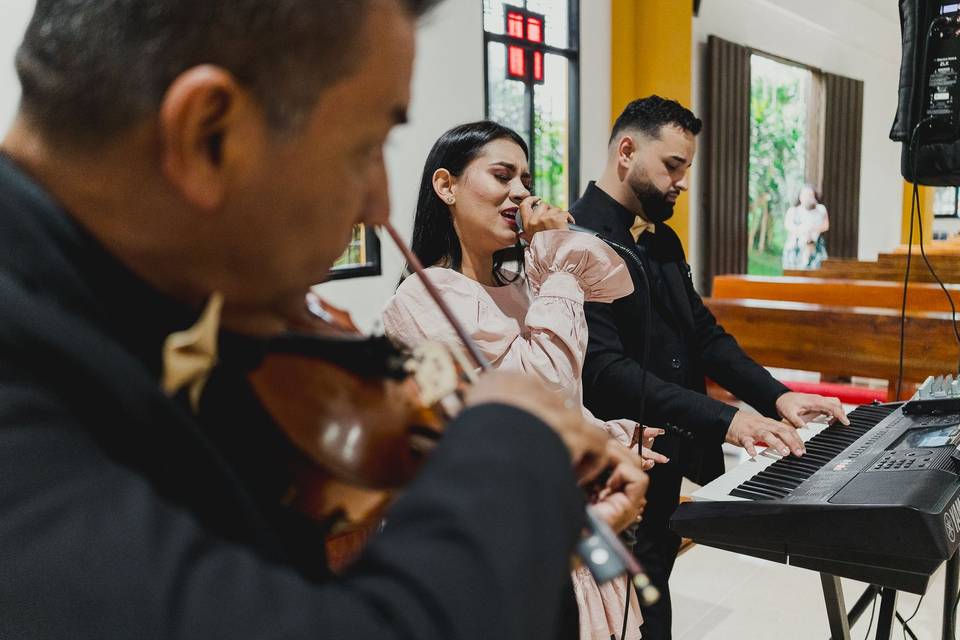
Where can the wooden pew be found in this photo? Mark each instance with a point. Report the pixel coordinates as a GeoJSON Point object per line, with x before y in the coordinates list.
{"type": "Point", "coordinates": [940, 262]}
{"type": "Point", "coordinates": [950, 246]}
{"type": "Point", "coordinates": [839, 340]}
{"type": "Point", "coordinates": [850, 269]}
{"type": "Point", "coordinates": [921, 296]}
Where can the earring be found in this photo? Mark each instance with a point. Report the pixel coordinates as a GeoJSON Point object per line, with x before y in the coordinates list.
{"type": "Point", "coordinates": [450, 200]}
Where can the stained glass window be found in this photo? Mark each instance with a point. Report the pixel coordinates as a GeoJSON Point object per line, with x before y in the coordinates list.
{"type": "Point", "coordinates": [532, 55]}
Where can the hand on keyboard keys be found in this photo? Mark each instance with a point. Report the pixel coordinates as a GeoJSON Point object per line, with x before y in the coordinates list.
{"type": "Point", "coordinates": [747, 429]}
{"type": "Point", "coordinates": [799, 408]}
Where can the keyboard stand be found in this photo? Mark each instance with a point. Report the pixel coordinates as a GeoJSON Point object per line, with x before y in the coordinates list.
{"type": "Point", "coordinates": [841, 621]}
{"type": "Point", "coordinates": [950, 588]}
{"type": "Point", "coordinates": [888, 609]}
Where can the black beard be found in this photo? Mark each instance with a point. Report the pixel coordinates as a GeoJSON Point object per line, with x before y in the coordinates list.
{"type": "Point", "coordinates": [656, 208]}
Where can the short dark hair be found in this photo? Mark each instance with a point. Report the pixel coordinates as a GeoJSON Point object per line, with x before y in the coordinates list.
{"type": "Point", "coordinates": [649, 115]}
{"type": "Point", "coordinates": [92, 68]}
{"type": "Point", "coordinates": [435, 240]}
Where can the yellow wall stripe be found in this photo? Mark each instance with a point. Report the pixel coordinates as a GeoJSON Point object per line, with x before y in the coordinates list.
{"type": "Point", "coordinates": [652, 44]}
{"type": "Point", "coordinates": [926, 200]}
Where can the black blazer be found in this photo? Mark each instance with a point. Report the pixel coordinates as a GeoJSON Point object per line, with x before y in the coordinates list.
{"type": "Point", "coordinates": [122, 517]}
{"type": "Point", "coordinates": [686, 344]}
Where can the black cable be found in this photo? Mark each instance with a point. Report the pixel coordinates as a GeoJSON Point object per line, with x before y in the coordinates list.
{"type": "Point", "coordinates": [906, 281]}
{"type": "Point", "coordinates": [647, 323]}
{"type": "Point", "coordinates": [912, 616]}
{"type": "Point", "coordinates": [913, 150]}
{"type": "Point", "coordinates": [647, 329]}
{"type": "Point", "coordinates": [912, 153]}
{"type": "Point", "coordinates": [619, 248]}
{"type": "Point", "coordinates": [873, 610]}
{"type": "Point", "coordinates": [916, 210]}
{"type": "Point", "coordinates": [956, 600]}
{"type": "Point", "coordinates": [943, 287]}
{"type": "Point", "coordinates": [626, 611]}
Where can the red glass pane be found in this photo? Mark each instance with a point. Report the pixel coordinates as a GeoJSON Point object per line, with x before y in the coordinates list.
{"type": "Point", "coordinates": [534, 29]}
{"type": "Point", "coordinates": [516, 63]}
{"type": "Point", "coordinates": [537, 66]}
{"type": "Point", "coordinates": [515, 24]}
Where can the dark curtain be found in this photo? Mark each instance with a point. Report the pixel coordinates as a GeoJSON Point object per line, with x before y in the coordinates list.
{"type": "Point", "coordinates": [843, 136]}
{"type": "Point", "coordinates": [727, 153]}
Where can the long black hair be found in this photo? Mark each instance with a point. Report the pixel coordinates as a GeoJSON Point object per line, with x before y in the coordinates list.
{"type": "Point", "coordinates": [435, 241]}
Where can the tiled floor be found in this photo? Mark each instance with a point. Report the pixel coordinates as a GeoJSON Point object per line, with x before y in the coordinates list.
{"type": "Point", "coordinates": [719, 595]}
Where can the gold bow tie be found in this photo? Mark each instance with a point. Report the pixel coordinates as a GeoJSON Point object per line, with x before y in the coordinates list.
{"type": "Point", "coordinates": [639, 226]}
{"type": "Point", "coordinates": [190, 355]}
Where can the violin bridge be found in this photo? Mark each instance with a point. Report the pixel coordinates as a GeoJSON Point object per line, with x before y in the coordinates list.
{"type": "Point", "coordinates": [435, 371]}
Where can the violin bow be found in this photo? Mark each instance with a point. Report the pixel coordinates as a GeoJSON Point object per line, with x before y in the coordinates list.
{"type": "Point", "coordinates": [418, 268]}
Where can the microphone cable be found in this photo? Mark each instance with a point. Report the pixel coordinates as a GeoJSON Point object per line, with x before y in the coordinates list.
{"type": "Point", "coordinates": [647, 322]}
{"type": "Point", "coordinates": [913, 150]}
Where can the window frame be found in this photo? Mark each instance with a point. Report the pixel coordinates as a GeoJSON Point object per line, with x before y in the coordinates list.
{"type": "Point", "coordinates": [572, 55]}
{"type": "Point", "coordinates": [956, 208]}
{"type": "Point", "coordinates": [372, 267]}
{"type": "Point", "coordinates": [813, 136]}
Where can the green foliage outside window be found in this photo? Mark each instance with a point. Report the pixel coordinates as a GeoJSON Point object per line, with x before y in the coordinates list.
{"type": "Point", "coordinates": [355, 255]}
{"type": "Point", "coordinates": [778, 143]}
{"type": "Point", "coordinates": [508, 106]}
{"type": "Point", "coordinates": [550, 176]}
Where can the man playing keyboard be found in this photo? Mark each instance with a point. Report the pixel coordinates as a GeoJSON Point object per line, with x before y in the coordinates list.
{"type": "Point", "coordinates": [651, 149]}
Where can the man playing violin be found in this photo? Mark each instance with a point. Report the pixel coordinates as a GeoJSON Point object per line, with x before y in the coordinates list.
{"type": "Point", "coordinates": [167, 155]}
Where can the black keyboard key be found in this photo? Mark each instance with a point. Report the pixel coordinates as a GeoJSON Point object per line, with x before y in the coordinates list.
{"type": "Point", "coordinates": [782, 477]}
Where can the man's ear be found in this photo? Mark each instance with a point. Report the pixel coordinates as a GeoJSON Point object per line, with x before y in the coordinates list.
{"type": "Point", "coordinates": [205, 115]}
{"type": "Point", "coordinates": [444, 185]}
{"type": "Point", "coordinates": [626, 147]}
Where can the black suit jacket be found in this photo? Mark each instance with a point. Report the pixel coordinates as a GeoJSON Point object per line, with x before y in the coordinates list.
{"type": "Point", "coordinates": [686, 344]}
{"type": "Point", "coordinates": [123, 516]}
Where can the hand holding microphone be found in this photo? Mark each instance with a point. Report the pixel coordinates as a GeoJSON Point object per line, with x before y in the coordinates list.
{"type": "Point", "coordinates": [535, 215]}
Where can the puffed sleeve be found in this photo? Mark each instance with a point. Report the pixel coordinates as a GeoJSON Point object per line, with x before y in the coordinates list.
{"type": "Point", "coordinates": [564, 268]}
{"type": "Point", "coordinates": [599, 272]}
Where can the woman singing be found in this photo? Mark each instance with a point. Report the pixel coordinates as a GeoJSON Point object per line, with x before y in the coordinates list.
{"type": "Point", "coordinates": [526, 315]}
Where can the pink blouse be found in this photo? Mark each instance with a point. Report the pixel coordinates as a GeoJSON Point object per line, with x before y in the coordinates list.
{"type": "Point", "coordinates": [536, 325]}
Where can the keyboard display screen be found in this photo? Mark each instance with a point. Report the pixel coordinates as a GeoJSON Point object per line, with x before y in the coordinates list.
{"type": "Point", "coordinates": [929, 437]}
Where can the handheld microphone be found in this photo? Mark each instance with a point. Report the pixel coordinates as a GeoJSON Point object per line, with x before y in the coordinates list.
{"type": "Point", "coordinates": [571, 227]}
{"type": "Point", "coordinates": [579, 229]}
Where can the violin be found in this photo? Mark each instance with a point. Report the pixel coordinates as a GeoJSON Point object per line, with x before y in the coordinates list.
{"type": "Point", "coordinates": [365, 414]}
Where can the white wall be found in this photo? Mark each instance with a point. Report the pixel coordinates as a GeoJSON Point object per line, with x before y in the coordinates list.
{"type": "Point", "coordinates": [448, 90]}
{"type": "Point", "coordinates": [594, 88]}
{"type": "Point", "coordinates": [14, 16]}
{"type": "Point", "coordinates": [855, 38]}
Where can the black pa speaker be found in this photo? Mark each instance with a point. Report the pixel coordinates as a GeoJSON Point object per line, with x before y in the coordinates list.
{"type": "Point", "coordinates": [928, 111]}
